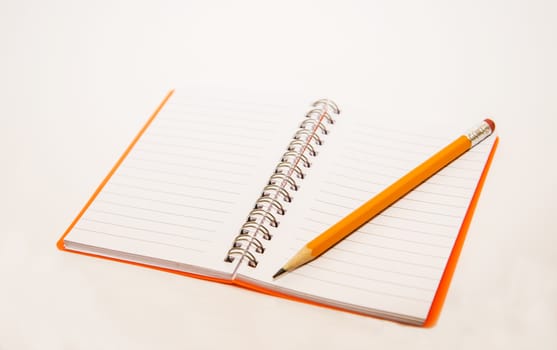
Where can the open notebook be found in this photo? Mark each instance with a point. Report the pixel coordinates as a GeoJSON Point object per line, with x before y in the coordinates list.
{"type": "Point", "coordinates": [228, 189]}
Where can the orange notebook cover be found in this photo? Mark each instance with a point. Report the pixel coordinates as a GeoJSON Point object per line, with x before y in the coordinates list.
{"type": "Point", "coordinates": [324, 108]}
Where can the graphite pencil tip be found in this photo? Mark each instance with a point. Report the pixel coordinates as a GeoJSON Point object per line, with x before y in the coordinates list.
{"type": "Point", "coordinates": [279, 272]}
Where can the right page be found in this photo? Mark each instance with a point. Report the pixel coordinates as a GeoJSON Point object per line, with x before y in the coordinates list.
{"type": "Point", "coordinates": [391, 267]}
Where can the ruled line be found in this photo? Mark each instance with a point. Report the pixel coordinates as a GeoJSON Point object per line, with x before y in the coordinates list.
{"type": "Point", "coordinates": [151, 220]}
{"type": "Point", "coordinates": [363, 231]}
{"type": "Point", "coordinates": [419, 221]}
{"type": "Point", "coordinates": [370, 255]}
{"type": "Point", "coordinates": [244, 137]}
{"type": "Point", "coordinates": [223, 100]}
{"type": "Point", "coordinates": [353, 188]}
{"type": "Point", "coordinates": [435, 183]}
{"type": "Point", "coordinates": [164, 202]}
{"type": "Point", "coordinates": [204, 149]}
{"type": "Point", "coordinates": [334, 215]}
{"type": "Point", "coordinates": [248, 127]}
{"type": "Point", "coordinates": [322, 223]}
{"type": "Point", "coordinates": [152, 210]}
{"type": "Point", "coordinates": [189, 156]}
{"type": "Point", "coordinates": [328, 281]}
{"type": "Point", "coordinates": [335, 204]}
{"type": "Point", "coordinates": [228, 172]}
{"type": "Point", "coordinates": [374, 234]}
{"type": "Point", "coordinates": [356, 199]}
{"type": "Point", "coordinates": [238, 117]}
{"type": "Point", "coordinates": [440, 194]}
{"type": "Point", "coordinates": [182, 175]}
{"type": "Point", "coordinates": [368, 267]}
{"type": "Point", "coordinates": [382, 159]}
{"type": "Point", "coordinates": [224, 114]}
{"type": "Point", "coordinates": [440, 174]}
{"type": "Point", "coordinates": [366, 171]}
{"type": "Point", "coordinates": [140, 240]}
{"type": "Point", "coordinates": [390, 157]}
{"type": "Point", "coordinates": [406, 229]}
{"type": "Point", "coordinates": [373, 223]}
{"type": "Point", "coordinates": [373, 163]}
{"type": "Point", "coordinates": [418, 189]}
{"type": "Point", "coordinates": [450, 205]}
{"type": "Point", "coordinates": [219, 103]}
{"type": "Point", "coordinates": [215, 132]}
{"type": "Point", "coordinates": [402, 134]}
{"type": "Point", "coordinates": [383, 281]}
{"type": "Point", "coordinates": [367, 244]}
{"type": "Point", "coordinates": [398, 206]}
{"type": "Point", "coordinates": [367, 181]}
{"type": "Point", "coordinates": [146, 230]}
{"type": "Point", "coordinates": [363, 143]}
{"type": "Point", "coordinates": [185, 157]}
{"type": "Point", "coordinates": [397, 139]}
{"type": "Point", "coordinates": [210, 189]}
{"type": "Point", "coordinates": [202, 140]}
{"type": "Point", "coordinates": [405, 198]}
{"type": "Point", "coordinates": [354, 178]}
{"type": "Point", "coordinates": [210, 199]}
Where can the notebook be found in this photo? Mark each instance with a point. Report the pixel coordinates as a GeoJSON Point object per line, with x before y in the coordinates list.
{"type": "Point", "coordinates": [227, 188]}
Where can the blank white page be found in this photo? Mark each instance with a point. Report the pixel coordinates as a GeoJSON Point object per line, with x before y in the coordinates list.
{"type": "Point", "coordinates": [183, 192]}
{"type": "Point", "coordinates": [391, 266]}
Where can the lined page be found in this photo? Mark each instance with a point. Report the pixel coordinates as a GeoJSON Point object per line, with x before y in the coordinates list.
{"type": "Point", "coordinates": [181, 195]}
{"type": "Point", "coordinates": [391, 266]}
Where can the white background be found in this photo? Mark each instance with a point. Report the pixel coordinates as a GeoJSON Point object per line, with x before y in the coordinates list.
{"type": "Point", "coordinates": [78, 79]}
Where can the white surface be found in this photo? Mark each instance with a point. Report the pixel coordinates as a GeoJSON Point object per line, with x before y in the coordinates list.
{"type": "Point", "coordinates": [79, 78]}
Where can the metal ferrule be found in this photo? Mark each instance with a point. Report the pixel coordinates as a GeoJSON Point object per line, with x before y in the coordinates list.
{"type": "Point", "coordinates": [479, 133]}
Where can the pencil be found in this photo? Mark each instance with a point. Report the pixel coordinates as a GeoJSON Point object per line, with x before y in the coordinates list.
{"type": "Point", "coordinates": [388, 196]}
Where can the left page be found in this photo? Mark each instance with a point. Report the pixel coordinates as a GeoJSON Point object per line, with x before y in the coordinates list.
{"type": "Point", "coordinates": [182, 193]}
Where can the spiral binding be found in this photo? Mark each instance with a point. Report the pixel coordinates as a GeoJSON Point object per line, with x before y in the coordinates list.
{"type": "Point", "coordinates": [275, 196]}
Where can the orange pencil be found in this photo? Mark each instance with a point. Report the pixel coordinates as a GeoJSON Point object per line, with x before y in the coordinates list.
{"type": "Point", "coordinates": [387, 197]}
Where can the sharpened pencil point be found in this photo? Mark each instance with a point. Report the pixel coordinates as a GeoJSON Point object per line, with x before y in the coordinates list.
{"type": "Point", "coordinates": [279, 272]}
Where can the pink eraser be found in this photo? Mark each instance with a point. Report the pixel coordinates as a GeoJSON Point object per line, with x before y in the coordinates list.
{"type": "Point", "coordinates": [491, 124]}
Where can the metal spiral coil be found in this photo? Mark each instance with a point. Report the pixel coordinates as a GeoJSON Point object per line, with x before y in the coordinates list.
{"type": "Point", "coordinates": [242, 253]}
{"type": "Point", "coordinates": [275, 196]}
{"type": "Point", "coordinates": [288, 168]}
{"type": "Point", "coordinates": [296, 156]}
{"type": "Point", "coordinates": [278, 177]}
{"type": "Point", "coordinates": [300, 146]}
{"type": "Point", "coordinates": [254, 229]}
{"type": "Point", "coordinates": [308, 136]}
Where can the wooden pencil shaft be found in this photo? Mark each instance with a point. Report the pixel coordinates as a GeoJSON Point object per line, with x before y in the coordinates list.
{"type": "Point", "coordinates": [387, 197]}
